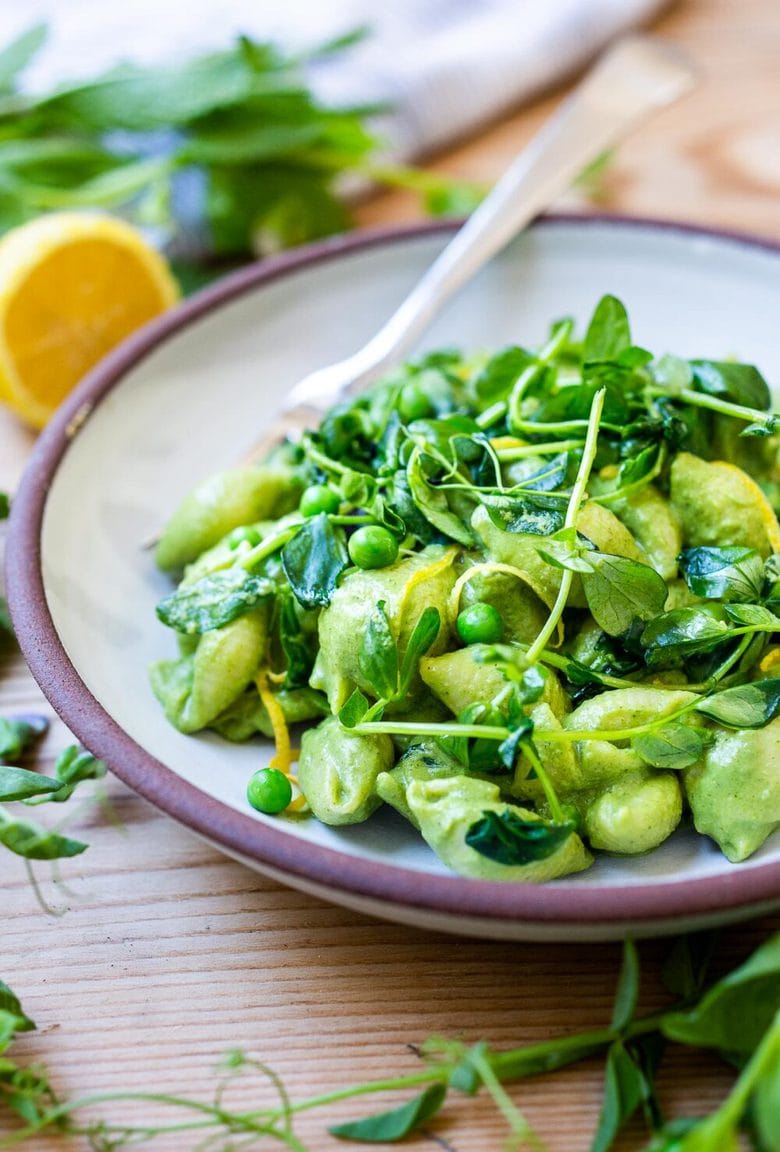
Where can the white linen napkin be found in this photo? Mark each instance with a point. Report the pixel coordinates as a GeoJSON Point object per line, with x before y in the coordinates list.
{"type": "Point", "coordinates": [445, 66]}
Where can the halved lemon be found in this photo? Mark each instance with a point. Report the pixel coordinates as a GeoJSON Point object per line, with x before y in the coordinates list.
{"type": "Point", "coordinates": [72, 287]}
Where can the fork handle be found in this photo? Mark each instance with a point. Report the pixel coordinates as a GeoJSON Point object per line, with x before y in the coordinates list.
{"type": "Point", "coordinates": [638, 75]}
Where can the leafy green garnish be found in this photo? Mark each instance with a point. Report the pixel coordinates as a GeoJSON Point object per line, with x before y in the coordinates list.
{"type": "Point", "coordinates": [620, 591]}
{"type": "Point", "coordinates": [313, 561]}
{"type": "Point", "coordinates": [731, 574]}
{"type": "Point", "coordinates": [508, 839]}
{"type": "Point", "coordinates": [746, 706]}
{"type": "Point", "coordinates": [214, 600]}
{"type": "Point", "coordinates": [673, 746]}
{"type": "Point", "coordinates": [388, 1127]}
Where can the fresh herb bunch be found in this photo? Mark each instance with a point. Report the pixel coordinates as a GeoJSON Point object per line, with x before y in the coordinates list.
{"type": "Point", "coordinates": [737, 1016]}
{"type": "Point", "coordinates": [242, 123]}
{"type": "Point", "coordinates": [613, 513]}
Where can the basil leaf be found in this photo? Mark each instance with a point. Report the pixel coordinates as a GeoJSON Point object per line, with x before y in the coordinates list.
{"type": "Point", "coordinates": [18, 732]}
{"type": "Point", "coordinates": [740, 383]}
{"type": "Point", "coordinates": [608, 333]}
{"type": "Point", "coordinates": [433, 503]}
{"type": "Point", "coordinates": [746, 706]}
{"type": "Point", "coordinates": [673, 746]}
{"type": "Point", "coordinates": [378, 654]}
{"type": "Point", "coordinates": [495, 379]}
{"type": "Point", "coordinates": [387, 1127]}
{"type": "Point", "coordinates": [731, 574]}
{"type": "Point", "coordinates": [683, 631]}
{"type": "Point", "coordinates": [19, 783]}
{"type": "Point", "coordinates": [620, 591]}
{"type": "Point", "coordinates": [424, 634]}
{"type": "Point", "coordinates": [734, 1013]}
{"type": "Point", "coordinates": [509, 839]}
{"type": "Point", "coordinates": [353, 710]}
{"type": "Point", "coordinates": [34, 842]}
{"type": "Point", "coordinates": [313, 560]}
{"type": "Point", "coordinates": [214, 601]}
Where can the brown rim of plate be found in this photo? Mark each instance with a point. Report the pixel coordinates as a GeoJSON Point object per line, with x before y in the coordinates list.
{"type": "Point", "coordinates": [563, 902]}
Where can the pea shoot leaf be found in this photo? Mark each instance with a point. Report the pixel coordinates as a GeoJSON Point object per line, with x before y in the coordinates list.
{"type": "Point", "coordinates": [730, 574]}
{"type": "Point", "coordinates": [378, 654]}
{"type": "Point", "coordinates": [9, 1002]}
{"type": "Point", "coordinates": [314, 559]}
{"type": "Point", "coordinates": [619, 591]}
{"type": "Point", "coordinates": [566, 549]}
{"type": "Point", "coordinates": [432, 502]}
{"type": "Point", "coordinates": [18, 732]}
{"type": "Point", "coordinates": [20, 784]}
{"type": "Point", "coordinates": [72, 767]}
{"type": "Point", "coordinates": [494, 380]}
{"type": "Point", "coordinates": [214, 600]}
{"type": "Point", "coordinates": [673, 746]}
{"type": "Point", "coordinates": [753, 616]}
{"type": "Point", "coordinates": [35, 842]}
{"type": "Point", "coordinates": [5, 505]}
{"type": "Point", "coordinates": [353, 710]}
{"type": "Point", "coordinates": [682, 631]}
{"type": "Point", "coordinates": [423, 636]}
{"type": "Point", "coordinates": [739, 383]}
{"type": "Point", "coordinates": [608, 333]}
{"type": "Point", "coordinates": [509, 839]}
{"type": "Point", "coordinates": [388, 1127]}
{"type": "Point", "coordinates": [685, 969]}
{"type": "Point", "coordinates": [746, 706]}
{"type": "Point", "coordinates": [298, 652]}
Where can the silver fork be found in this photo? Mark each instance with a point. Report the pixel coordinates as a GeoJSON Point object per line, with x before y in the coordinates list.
{"type": "Point", "coordinates": [638, 75]}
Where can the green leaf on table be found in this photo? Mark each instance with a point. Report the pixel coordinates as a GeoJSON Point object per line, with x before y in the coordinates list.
{"type": "Point", "coordinates": [685, 969]}
{"type": "Point", "coordinates": [766, 1106]}
{"type": "Point", "coordinates": [746, 706]}
{"type": "Point", "coordinates": [738, 383]}
{"type": "Point", "coordinates": [378, 654]}
{"type": "Point", "coordinates": [627, 993]}
{"type": "Point", "coordinates": [608, 333]}
{"type": "Point", "coordinates": [9, 1002]}
{"type": "Point", "coordinates": [15, 57]}
{"type": "Point", "coordinates": [21, 784]}
{"type": "Point", "coordinates": [18, 732]}
{"type": "Point", "coordinates": [72, 767]}
{"type": "Point", "coordinates": [35, 842]}
{"type": "Point", "coordinates": [5, 505]}
{"type": "Point", "coordinates": [314, 559]}
{"type": "Point", "coordinates": [6, 627]}
{"type": "Point", "coordinates": [730, 574]}
{"type": "Point", "coordinates": [625, 1088]}
{"type": "Point", "coordinates": [509, 839]}
{"type": "Point", "coordinates": [672, 746]}
{"type": "Point", "coordinates": [214, 600]}
{"type": "Point", "coordinates": [734, 1013]}
{"type": "Point", "coordinates": [387, 1127]}
{"type": "Point", "coordinates": [619, 591]}
{"type": "Point", "coordinates": [424, 634]}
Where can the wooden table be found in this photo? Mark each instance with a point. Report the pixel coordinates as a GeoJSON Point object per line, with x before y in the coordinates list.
{"type": "Point", "coordinates": [170, 954]}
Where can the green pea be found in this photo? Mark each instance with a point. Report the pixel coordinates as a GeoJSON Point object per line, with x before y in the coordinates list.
{"type": "Point", "coordinates": [239, 535]}
{"type": "Point", "coordinates": [319, 498]}
{"type": "Point", "coordinates": [373, 547]}
{"type": "Point", "coordinates": [413, 404]}
{"type": "Point", "coordinates": [269, 791]}
{"type": "Point", "coordinates": [480, 624]}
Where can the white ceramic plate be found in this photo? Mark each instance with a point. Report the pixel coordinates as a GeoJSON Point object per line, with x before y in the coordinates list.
{"type": "Point", "coordinates": [190, 394]}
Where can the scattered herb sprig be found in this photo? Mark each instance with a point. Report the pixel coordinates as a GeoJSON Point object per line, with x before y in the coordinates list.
{"type": "Point", "coordinates": [241, 123]}
{"type": "Point", "coordinates": [736, 1016]}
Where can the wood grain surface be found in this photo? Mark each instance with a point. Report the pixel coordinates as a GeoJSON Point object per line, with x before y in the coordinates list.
{"type": "Point", "coordinates": [169, 954]}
